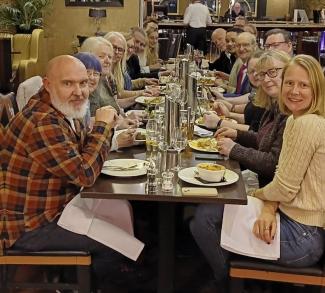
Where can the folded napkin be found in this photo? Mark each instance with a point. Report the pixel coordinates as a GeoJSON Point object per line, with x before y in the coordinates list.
{"type": "Point", "coordinates": [202, 132]}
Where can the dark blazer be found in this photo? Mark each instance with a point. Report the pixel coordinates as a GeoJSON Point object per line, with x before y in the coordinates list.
{"type": "Point", "coordinates": [134, 70]}
{"type": "Point", "coordinates": [223, 63]}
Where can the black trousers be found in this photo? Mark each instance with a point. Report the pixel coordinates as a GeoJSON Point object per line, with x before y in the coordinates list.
{"type": "Point", "coordinates": [52, 237]}
{"type": "Point", "coordinates": [197, 37]}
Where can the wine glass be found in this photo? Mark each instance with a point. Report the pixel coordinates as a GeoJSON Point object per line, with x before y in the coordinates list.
{"type": "Point", "coordinates": [179, 143]}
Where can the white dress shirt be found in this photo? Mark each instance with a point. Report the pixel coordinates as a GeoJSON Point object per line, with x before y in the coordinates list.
{"type": "Point", "coordinates": [197, 15]}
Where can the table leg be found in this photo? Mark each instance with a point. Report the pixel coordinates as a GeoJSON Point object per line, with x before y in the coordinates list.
{"type": "Point", "coordinates": [166, 247]}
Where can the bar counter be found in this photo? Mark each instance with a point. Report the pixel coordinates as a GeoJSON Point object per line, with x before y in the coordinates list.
{"type": "Point", "coordinates": [260, 25]}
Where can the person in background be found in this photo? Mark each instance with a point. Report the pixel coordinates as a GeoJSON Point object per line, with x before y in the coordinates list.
{"type": "Point", "coordinates": [236, 11]}
{"type": "Point", "coordinates": [296, 191]}
{"type": "Point", "coordinates": [197, 17]}
{"type": "Point", "coordinates": [278, 39]}
{"type": "Point", "coordinates": [251, 28]}
{"type": "Point", "coordinates": [241, 108]}
{"type": "Point", "coordinates": [150, 23]}
{"type": "Point", "coordinates": [240, 22]}
{"type": "Point", "coordinates": [218, 41]}
{"type": "Point", "coordinates": [152, 48]}
{"type": "Point", "coordinates": [227, 57]}
{"type": "Point", "coordinates": [238, 80]}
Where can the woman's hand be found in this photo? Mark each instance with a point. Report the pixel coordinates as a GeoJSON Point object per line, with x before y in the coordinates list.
{"type": "Point", "coordinates": [226, 132]}
{"type": "Point", "coordinates": [225, 146]}
{"type": "Point", "coordinates": [126, 138]}
{"type": "Point", "coordinates": [221, 109]}
{"type": "Point", "coordinates": [151, 81]}
{"type": "Point", "coordinates": [265, 226]}
{"type": "Point", "coordinates": [210, 119]}
{"type": "Point", "coordinates": [127, 123]}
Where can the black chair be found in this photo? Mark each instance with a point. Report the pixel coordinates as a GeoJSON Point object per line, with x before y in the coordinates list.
{"type": "Point", "coordinates": [163, 48]}
{"type": "Point", "coordinates": [174, 45]}
{"type": "Point", "coordinates": [13, 258]}
{"type": "Point", "coordinates": [310, 46]}
{"type": "Point", "coordinates": [242, 268]}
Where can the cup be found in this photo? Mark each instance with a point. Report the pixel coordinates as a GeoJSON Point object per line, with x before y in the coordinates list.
{"type": "Point", "coordinates": [167, 181]}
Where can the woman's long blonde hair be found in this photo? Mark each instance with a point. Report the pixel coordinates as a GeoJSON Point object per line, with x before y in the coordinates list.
{"type": "Point", "coordinates": [266, 60]}
{"type": "Point", "coordinates": [317, 81]}
{"type": "Point", "coordinates": [118, 69]}
{"type": "Point", "coordinates": [151, 53]}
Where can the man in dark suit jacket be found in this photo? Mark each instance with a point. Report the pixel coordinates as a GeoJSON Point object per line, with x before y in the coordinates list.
{"type": "Point", "coordinates": [227, 58]}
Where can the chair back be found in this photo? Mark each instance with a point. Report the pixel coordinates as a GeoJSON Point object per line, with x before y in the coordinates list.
{"type": "Point", "coordinates": [174, 45]}
{"type": "Point", "coordinates": [8, 108]}
{"type": "Point", "coordinates": [310, 46]}
{"type": "Point", "coordinates": [163, 48]}
{"type": "Point", "coordinates": [27, 89]}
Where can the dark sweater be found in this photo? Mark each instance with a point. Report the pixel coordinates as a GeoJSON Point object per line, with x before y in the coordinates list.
{"type": "Point", "coordinates": [260, 151]}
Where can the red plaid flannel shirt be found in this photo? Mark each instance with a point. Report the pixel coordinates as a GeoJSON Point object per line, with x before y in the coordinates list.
{"type": "Point", "coordinates": [46, 163]}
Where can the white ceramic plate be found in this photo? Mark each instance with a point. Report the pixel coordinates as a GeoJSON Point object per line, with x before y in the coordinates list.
{"type": "Point", "coordinates": [193, 145]}
{"type": "Point", "coordinates": [188, 175]}
{"type": "Point", "coordinates": [149, 100]}
{"type": "Point", "coordinates": [218, 89]}
{"type": "Point", "coordinates": [140, 169]}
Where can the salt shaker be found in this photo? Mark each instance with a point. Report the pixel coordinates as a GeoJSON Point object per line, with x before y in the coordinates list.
{"type": "Point", "coordinates": [167, 181]}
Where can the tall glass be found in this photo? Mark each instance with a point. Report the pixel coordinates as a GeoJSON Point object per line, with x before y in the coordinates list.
{"type": "Point", "coordinates": [151, 135]}
{"type": "Point", "coordinates": [179, 144]}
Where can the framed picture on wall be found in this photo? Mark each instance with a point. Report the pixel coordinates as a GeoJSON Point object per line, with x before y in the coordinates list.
{"type": "Point", "coordinates": [173, 7]}
{"type": "Point", "coordinates": [95, 3]}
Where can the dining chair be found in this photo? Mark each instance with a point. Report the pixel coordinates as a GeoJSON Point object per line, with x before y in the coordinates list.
{"type": "Point", "coordinates": [11, 259]}
{"type": "Point", "coordinates": [242, 268]}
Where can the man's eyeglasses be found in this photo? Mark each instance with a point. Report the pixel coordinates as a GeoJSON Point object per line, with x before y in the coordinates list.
{"type": "Point", "coordinates": [118, 49]}
{"type": "Point", "coordinates": [271, 73]}
{"type": "Point", "coordinates": [273, 45]}
{"type": "Point", "coordinates": [245, 45]}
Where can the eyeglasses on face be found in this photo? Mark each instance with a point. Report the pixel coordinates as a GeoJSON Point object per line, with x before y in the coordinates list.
{"type": "Point", "coordinates": [244, 45]}
{"type": "Point", "coordinates": [92, 73]}
{"type": "Point", "coordinates": [271, 73]}
{"type": "Point", "coordinates": [118, 49]}
{"type": "Point", "coordinates": [273, 45]}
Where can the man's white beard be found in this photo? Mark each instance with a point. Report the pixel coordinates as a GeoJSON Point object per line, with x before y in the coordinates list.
{"type": "Point", "coordinates": [68, 110]}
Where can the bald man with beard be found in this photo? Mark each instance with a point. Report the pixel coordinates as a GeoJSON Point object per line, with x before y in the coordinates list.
{"type": "Point", "coordinates": [48, 159]}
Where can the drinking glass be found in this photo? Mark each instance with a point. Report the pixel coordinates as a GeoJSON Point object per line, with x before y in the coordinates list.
{"type": "Point", "coordinates": [179, 143]}
{"type": "Point", "coordinates": [214, 53]}
{"type": "Point", "coordinates": [152, 135]}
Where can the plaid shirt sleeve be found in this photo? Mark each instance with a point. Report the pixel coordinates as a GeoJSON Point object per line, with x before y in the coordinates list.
{"type": "Point", "coordinates": [55, 147]}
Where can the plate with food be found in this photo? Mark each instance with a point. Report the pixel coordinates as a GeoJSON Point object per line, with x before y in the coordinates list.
{"type": "Point", "coordinates": [207, 144]}
{"type": "Point", "coordinates": [164, 79]}
{"type": "Point", "coordinates": [125, 167]}
{"type": "Point", "coordinates": [191, 175]}
{"type": "Point", "coordinates": [150, 100]}
{"type": "Point", "coordinates": [206, 80]}
{"type": "Point", "coordinates": [140, 135]}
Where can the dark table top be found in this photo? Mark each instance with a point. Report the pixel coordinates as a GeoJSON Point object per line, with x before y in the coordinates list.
{"type": "Point", "coordinates": [133, 188]}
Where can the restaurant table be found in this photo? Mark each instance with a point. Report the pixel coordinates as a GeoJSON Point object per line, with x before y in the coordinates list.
{"type": "Point", "coordinates": [133, 188]}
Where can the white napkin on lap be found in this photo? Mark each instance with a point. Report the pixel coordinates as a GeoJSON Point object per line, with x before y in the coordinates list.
{"type": "Point", "coordinates": [237, 235]}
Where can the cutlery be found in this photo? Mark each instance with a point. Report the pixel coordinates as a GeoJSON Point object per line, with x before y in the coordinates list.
{"type": "Point", "coordinates": [121, 168]}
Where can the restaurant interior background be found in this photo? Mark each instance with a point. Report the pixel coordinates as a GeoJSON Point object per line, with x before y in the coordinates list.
{"type": "Point", "coordinates": [63, 24]}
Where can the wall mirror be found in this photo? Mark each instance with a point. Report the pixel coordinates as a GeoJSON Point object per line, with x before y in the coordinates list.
{"type": "Point", "coordinates": [95, 3]}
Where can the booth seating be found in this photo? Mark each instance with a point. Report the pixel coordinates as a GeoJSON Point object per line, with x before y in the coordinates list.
{"type": "Point", "coordinates": [29, 54]}
{"type": "Point", "coordinates": [242, 268]}
{"type": "Point", "coordinates": [12, 258]}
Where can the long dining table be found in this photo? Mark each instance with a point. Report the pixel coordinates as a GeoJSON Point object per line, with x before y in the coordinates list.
{"type": "Point", "coordinates": [134, 189]}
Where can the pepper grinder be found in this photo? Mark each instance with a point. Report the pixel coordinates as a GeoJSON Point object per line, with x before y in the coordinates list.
{"type": "Point", "coordinates": [151, 184]}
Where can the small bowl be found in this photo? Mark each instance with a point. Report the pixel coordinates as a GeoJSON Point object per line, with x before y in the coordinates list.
{"type": "Point", "coordinates": [211, 172]}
